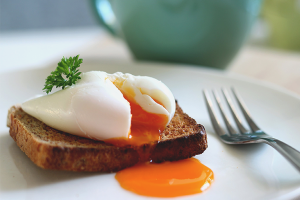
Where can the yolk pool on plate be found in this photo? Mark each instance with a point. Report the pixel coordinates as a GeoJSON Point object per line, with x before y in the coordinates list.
{"type": "Point", "coordinates": [168, 179]}
{"type": "Point", "coordinates": [145, 127]}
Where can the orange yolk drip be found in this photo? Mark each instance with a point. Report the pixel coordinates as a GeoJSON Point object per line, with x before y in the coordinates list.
{"type": "Point", "coordinates": [145, 127]}
{"type": "Point", "coordinates": [168, 179]}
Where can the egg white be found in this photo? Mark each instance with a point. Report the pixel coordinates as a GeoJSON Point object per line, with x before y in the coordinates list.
{"type": "Point", "coordinates": [95, 107]}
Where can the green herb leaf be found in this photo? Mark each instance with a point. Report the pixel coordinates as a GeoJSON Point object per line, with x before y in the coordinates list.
{"type": "Point", "coordinates": [67, 67]}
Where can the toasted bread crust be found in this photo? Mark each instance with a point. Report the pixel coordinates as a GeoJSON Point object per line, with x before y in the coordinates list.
{"type": "Point", "coordinates": [52, 149]}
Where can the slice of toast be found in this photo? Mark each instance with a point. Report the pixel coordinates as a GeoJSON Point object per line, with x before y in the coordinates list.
{"type": "Point", "coordinates": [52, 149]}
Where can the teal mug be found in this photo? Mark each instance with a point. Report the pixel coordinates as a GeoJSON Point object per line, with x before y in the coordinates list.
{"type": "Point", "coordinates": [200, 32]}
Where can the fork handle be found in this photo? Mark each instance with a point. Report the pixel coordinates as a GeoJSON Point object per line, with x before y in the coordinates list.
{"type": "Point", "coordinates": [291, 154]}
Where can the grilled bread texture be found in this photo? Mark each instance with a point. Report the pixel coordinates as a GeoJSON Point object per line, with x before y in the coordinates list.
{"type": "Point", "coordinates": [49, 148]}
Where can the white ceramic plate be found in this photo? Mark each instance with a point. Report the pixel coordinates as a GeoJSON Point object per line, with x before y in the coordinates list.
{"type": "Point", "coordinates": [241, 172]}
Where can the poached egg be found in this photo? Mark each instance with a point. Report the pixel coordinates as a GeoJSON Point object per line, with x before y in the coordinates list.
{"type": "Point", "coordinates": [117, 108]}
{"type": "Point", "coordinates": [124, 109]}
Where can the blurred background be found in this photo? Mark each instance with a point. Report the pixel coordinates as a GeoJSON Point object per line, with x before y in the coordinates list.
{"type": "Point", "coordinates": [18, 15]}
{"type": "Point", "coordinates": [38, 32]}
{"type": "Point", "coordinates": [34, 33]}
{"type": "Point", "coordinates": [278, 25]}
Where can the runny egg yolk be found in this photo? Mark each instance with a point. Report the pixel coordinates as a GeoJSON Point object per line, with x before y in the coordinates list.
{"type": "Point", "coordinates": [168, 179]}
{"type": "Point", "coordinates": [145, 127]}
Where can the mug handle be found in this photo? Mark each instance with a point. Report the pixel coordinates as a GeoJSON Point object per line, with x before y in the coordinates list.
{"type": "Point", "coordinates": [105, 15]}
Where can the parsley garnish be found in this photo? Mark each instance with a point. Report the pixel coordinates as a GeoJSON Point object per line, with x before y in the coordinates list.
{"type": "Point", "coordinates": [68, 67]}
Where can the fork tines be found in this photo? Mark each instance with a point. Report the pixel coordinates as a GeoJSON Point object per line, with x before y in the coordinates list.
{"type": "Point", "coordinates": [216, 124]}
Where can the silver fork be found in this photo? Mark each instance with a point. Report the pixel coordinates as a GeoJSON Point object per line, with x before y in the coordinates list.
{"type": "Point", "coordinates": [256, 135]}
